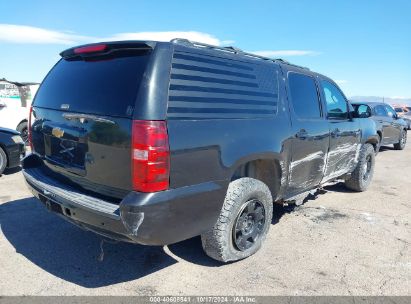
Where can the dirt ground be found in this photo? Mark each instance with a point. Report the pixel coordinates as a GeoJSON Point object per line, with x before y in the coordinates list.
{"type": "Point", "coordinates": [340, 243]}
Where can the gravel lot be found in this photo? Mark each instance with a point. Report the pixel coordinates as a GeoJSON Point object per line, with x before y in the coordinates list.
{"type": "Point", "coordinates": [340, 243]}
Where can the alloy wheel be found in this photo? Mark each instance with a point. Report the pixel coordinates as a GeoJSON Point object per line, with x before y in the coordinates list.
{"type": "Point", "coordinates": [249, 225]}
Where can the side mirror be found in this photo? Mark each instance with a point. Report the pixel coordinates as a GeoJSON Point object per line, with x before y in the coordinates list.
{"type": "Point", "coordinates": [362, 111]}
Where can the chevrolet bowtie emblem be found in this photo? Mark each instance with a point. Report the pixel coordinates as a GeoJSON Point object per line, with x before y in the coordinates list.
{"type": "Point", "coordinates": [57, 132]}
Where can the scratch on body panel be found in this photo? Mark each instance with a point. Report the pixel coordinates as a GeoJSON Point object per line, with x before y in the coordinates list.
{"type": "Point", "coordinates": [338, 160]}
{"type": "Point", "coordinates": [305, 161]}
{"type": "Point", "coordinates": [309, 157]}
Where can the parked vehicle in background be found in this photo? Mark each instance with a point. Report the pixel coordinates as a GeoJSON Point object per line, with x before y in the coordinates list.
{"type": "Point", "coordinates": [169, 140]}
{"type": "Point", "coordinates": [400, 111]}
{"type": "Point", "coordinates": [391, 128]}
{"type": "Point", "coordinates": [407, 119]}
{"type": "Point", "coordinates": [12, 149]}
{"type": "Point", "coordinates": [15, 102]}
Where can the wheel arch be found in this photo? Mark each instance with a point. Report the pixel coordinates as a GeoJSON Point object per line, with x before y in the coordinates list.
{"type": "Point", "coordinates": [379, 133]}
{"type": "Point", "coordinates": [373, 140]}
{"type": "Point", "coordinates": [269, 170]}
{"type": "Point", "coordinates": [22, 121]}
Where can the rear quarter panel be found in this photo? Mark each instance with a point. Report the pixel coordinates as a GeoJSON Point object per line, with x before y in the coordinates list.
{"type": "Point", "coordinates": [224, 112]}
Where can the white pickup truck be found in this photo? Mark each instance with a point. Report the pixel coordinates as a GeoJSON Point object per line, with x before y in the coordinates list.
{"type": "Point", "coordinates": [15, 102]}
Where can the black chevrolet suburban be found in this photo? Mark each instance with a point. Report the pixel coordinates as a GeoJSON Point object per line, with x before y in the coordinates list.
{"type": "Point", "coordinates": [157, 142]}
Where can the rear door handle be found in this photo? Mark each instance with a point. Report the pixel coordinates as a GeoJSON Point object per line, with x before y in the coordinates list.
{"type": "Point", "coordinates": [302, 134]}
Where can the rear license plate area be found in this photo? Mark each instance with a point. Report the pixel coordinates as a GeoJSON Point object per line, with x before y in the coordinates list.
{"type": "Point", "coordinates": [65, 151]}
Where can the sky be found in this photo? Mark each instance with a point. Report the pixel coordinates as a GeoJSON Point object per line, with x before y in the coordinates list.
{"type": "Point", "coordinates": [365, 46]}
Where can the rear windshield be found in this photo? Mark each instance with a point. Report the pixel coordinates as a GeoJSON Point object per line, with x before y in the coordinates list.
{"type": "Point", "coordinates": [106, 87]}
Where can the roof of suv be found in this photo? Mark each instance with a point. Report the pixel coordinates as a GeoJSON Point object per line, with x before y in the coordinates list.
{"type": "Point", "coordinates": [195, 45]}
{"type": "Point", "coordinates": [228, 52]}
{"type": "Point", "coordinates": [181, 42]}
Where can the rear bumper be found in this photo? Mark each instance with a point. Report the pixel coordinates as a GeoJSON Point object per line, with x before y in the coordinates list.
{"type": "Point", "coordinates": [158, 218]}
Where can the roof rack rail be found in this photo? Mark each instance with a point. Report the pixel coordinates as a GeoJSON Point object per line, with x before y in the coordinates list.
{"type": "Point", "coordinates": [292, 64]}
{"type": "Point", "coordinates": [187, 42]}
{"type": "Point", "coordinates": [233, 48]}
{"type": "Point", "coordinates": [230, 49]}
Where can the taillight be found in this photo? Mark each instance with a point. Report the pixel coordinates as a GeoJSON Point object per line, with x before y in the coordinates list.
{"type": "Point", "coordinates": [150, 156]}
{"type": "Point", "coordinates": [90, 49]}
{"type": "Point", "coordinates": [29, 131]}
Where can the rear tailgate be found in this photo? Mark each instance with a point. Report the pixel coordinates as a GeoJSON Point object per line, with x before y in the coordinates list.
{"type": "Point", "coordinates": [83, 118]}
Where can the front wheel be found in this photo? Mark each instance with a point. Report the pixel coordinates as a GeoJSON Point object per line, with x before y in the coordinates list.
{"type": "Point", "coordinates": [3, 161]}
{"type": "Point", "coordinates": [403, 140]}
{"type": "Point", "coordinates": [243, 223]}
{"type": "Point", "coordinates": [361, 177]}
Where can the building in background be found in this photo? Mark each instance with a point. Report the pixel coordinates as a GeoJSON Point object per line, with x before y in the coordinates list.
{"type": "Point", "coordinates": [15, 102]}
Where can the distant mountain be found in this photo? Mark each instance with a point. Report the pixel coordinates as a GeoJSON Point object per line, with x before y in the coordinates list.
{"type": "Point", "coordinates": [393, 101]}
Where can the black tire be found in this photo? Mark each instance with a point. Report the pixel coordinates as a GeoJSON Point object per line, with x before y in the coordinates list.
{"type": "Point", "coordinates": [226, 241]}
{"type": "Point", "coordinates": [23, 129]}
{"type": "Point", "coordinates": [403, 140]}
{"type": "Point", "coordinates": [3, 161]}
{"type": "Point", "coordinates": [361, 177]}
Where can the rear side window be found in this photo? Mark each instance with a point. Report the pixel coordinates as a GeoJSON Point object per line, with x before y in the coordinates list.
{"type": "Point", "coordinates": [107, 87]}
{"type": "Point", "coordinates": [380, 111]}
{"type": "Point", "coordinates": [303, 91]}
{"type": "Point", "coordinates": [206, 86]}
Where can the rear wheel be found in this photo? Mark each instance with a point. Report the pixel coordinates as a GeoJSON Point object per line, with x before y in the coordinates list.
{"type": "Point", "coordinates": [23, 129]}
{"type": "Point", "coordinates": [361, 177]}
{"type": "Point", "coordinates": [243, 222]}
{"type": "Point", "coordinates": [3, 161]}
{"type": "Point", "coordinates": [403, 140]}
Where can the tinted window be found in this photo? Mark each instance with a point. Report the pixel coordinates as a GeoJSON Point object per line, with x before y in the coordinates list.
{"type": "Point", "coordinates": [336, 102]}
{"type": "Point", "coordinates": [380, 111]}
{"type": "Point", "coordinates": [390, 111]}
{"type": "Point", "coordinates": [304, 96]}
{"type": "Point", "coordinates": [399, 110]}
{"type": "Point", "coordinates": [107, 87]}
